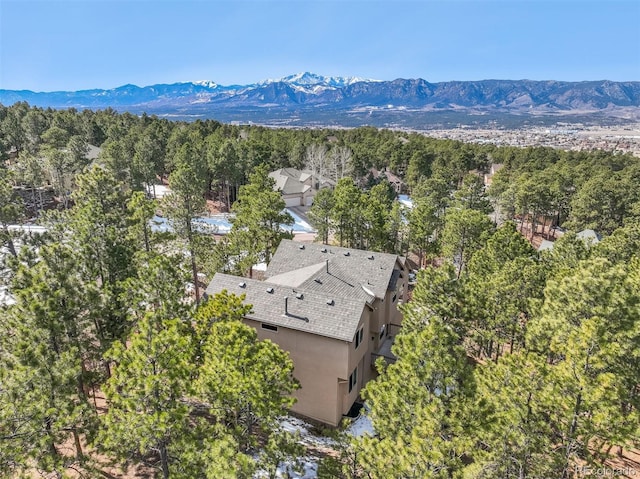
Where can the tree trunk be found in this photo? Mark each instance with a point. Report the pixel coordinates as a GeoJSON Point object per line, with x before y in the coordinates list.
{"type": "Point", "coordinates": [10, 245]}
{"type": "Point", "coordinates": [194, 271]}
{"type": "Point", "coordinates": [147, 247]}
{"type": "Point", "coordinates": [52, 445]}
{"type": "Point", "coordinates": [76, 440]}
{"type": "Point", "coordinates": [566, 474]}
{"type": "Point", "coordinates": [164, 460]}
{"type": "Point", "coordinates": [35, 200]}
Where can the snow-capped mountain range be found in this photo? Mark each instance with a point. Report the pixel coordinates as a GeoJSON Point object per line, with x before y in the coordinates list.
{"type": "Point", "coordinates": [308, 98]}
{"type": "Point", "coordinates": [306, 80]}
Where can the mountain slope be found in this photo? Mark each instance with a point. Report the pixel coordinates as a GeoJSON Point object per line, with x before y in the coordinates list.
{"type": "Point", "coordinates": [313, 96]}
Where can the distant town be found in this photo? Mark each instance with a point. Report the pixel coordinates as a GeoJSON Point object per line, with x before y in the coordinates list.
{"type": "Point", "coordinates": [570, 137]}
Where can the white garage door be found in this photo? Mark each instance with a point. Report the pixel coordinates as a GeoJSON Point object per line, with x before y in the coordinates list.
{"type": "Point", "coordinates": [292, 201]}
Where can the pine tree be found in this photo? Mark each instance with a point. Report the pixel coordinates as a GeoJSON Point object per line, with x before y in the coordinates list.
{"type": "Point", "coordinates": [424, 224]}
{"type": "Point", "coordinates": [465, 232]}
{"type": "Point", "coordinates": [186, 202]}
{"type": "Point", "coordinates": [346, 214]}
{"type": "Point", "coordinates": [11, 210]}
{"type": "Point", "coordinates": [147, 419]}
{"type": "Point", "coordinates": [258, 223]}
{"type": "Point", "coordinates": [245, 382]}
{"type": "Point", "coordinates": [99, 229]}
{"type": "Point", "coordinates": [588, 327]}
{"type": "Point", "coordinates": [416, 405]}
{"type": "Point", "coordinates": [47, 343]}
{"type": "Point", "coordinates": [514, 400]}
{"type": "Point", "coordinates": [320, 213]}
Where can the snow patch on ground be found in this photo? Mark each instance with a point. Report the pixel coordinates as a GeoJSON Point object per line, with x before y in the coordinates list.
{"type": "Point", "coordinates": [405, 200]}
{"type": "Point", "coordinates": [300, 225]}
{"type": "Point", "coordinates": [215, 224]}
{"type": "Point", "coordinates": [361, 426]}
{"type": "Point", "coordinates": [160, 190]}
{"type": "Point", "coordinates": [221, 224]}
{"type": "Point", "coordinates": [5, 298]}
{"type": "Point", "coordinates": [293, 425]}
{"type": "Point", "coordinates": [27, 228]}
{"type": "Point", "coordinates": [286, 470]}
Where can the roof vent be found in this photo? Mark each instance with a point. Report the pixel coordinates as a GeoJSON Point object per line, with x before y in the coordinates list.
{"type": "Point", "coordinates": [299, 295]}
{"type": "Point", "coordinates": [323, 250]}
{"type": "Point", "coordinates": [331, 302]}
{"type": "Point", "coordinates": [370, 256]}
{"type": "Point", "coordinates": [346, 253]}
{"type": "Point", "coordinates": [301, 246]}
{"type": "Point", "coordinates": [270, 290]}
{"type": "Point", "coordinates": [242, 285]}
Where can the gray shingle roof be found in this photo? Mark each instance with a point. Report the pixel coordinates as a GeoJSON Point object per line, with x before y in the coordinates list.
{"type": "Point", "coordinates": [589, 235]}
{"type": "Point", "coordinates": [290, 181]}
{"type": "Point", "coordinates": [349, 270]}
{"type": "Point", "coordinates": [336, 285]}
{"type": "Point", "coordinates": [311, 313]}
{"type": "Point", "coordinates": [545, 245]}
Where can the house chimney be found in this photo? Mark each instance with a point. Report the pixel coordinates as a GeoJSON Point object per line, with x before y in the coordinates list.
{"type": "Point", "coordinates": [286, 306]}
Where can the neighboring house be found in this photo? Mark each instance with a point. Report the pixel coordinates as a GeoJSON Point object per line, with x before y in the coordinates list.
{"type": "Point", "coordinates": [398, 185]}
{"type": "Point", "coordinates": [335, 310]}
{"type": "Point", "coordinates": [93, 152]}
{"type": "Point", "coordinates": [545, 245]}
{"type": "Point", "coordinates": [298, 187]}
{"type": "Point", "coordinates": [590, 238]}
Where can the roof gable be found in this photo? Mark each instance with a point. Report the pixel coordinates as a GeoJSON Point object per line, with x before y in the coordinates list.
{"type": "Point", "coordinates": [290, 181]}
{"type": "Point", "coordinates": [308, 311]}
{"type": "Point", "coordinates": [346, 269]}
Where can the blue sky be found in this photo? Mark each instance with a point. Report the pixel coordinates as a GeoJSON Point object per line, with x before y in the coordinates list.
{"type": "Point", "coordinates": [81, 44]}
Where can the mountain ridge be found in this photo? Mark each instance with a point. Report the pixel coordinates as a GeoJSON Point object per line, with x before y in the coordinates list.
{"type": "Point", "coordinates": [310, 96]}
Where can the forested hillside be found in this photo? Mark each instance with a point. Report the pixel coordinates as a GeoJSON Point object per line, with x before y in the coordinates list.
{"type": "Point", "coordinates": [510, 363]}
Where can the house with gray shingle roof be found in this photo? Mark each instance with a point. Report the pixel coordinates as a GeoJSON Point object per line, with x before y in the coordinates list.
{"type": "Point", "coordinates": [335, 310]}
{"type": "Point", "coordinates": [588, 236]}
{"type": "Point", "coordinates": [298, 187]}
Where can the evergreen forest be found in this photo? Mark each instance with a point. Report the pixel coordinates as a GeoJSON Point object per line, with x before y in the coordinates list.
{"type": "Point", "coordinates": [511, 363]}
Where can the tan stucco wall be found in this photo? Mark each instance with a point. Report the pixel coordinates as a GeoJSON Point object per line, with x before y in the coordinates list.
{"type": "Point", "coordinates": [319, 363]}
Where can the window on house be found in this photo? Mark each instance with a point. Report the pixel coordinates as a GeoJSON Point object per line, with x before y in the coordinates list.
{"type": "Point", "coordinates": [395, 296]}
{"type": "Point", "coordinates": [269, 327]}
{"type": "Point", "coordinates": [353, 379]}
{"type": "Point", "coordinates": [359, 336]}
{"type": "Point", "coordinates": [382, 330]}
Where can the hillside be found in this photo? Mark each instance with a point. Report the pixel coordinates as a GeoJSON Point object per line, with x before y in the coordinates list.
{"type": "Point", "coordinates": [308, 99]}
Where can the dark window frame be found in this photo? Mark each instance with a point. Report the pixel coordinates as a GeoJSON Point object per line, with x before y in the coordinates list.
{"type": "Point", "coordinates": [353, 379]}
{"type": "Point", "coordinates": [359, 337]}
